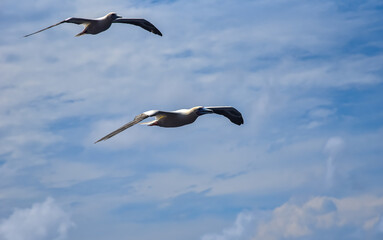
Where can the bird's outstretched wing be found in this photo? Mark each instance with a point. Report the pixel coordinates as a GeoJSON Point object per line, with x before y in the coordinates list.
{"type": "Point", "coordinates": [141, 23]}
{"type": "Point", "coordinates": [231, 113]}
{"type": "Point", "coordinates": [136, 120]}
{"type": "Point", "coordinates": [68, 20]}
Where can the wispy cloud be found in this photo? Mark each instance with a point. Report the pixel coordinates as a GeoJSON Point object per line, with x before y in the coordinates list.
{"type": "Point", "coordinates": [306, 76]}
{"type": "Point", "coordinates": [332, 147]}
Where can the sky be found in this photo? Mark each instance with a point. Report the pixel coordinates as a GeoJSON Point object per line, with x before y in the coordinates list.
{"type": "Point", "coordinates": [306, 164]}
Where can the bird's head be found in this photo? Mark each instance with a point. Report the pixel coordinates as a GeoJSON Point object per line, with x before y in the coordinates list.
{"type": "Point", "coordinates": [201, 110]}
{"type": "Point", "coordinates": [113, 16]}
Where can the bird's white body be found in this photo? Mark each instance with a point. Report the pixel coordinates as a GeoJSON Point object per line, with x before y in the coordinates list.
{"type": "Point", "coordinates": [174, 118]}
{"type": "Point", "coordinates": [95, 26]}
{"type": "Point", "coordinates": [98, 25]}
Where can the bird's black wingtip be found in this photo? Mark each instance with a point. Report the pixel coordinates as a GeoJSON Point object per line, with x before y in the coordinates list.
{"type": "Point", "coordinates": [239, 122]}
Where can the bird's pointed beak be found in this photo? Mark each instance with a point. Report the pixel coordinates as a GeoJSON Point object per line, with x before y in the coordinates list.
{"type": "Point", "coordinates": [203, 111]}
{"type": "Point", "coordinates": [118, 16]}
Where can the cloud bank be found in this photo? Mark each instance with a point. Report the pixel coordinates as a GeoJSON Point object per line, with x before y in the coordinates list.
{"type": "Point", "coordinates": [43, 221]}
{"type": "Point", "coordinates": [317, 218]}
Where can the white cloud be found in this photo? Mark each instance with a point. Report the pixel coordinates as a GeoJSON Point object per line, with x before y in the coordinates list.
{"type": "Point", "coordinates": [317, 218]}
{"type": "Point", "coordinates": [236, 232]}
{"type": "Point", "coordinates": [320, 215]}
{"type": "Point", "coordinates": [44, 220]}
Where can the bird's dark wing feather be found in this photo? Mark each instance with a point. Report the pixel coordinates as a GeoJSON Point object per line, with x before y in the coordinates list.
{"type": "Point", "coordinates": [68, 20]}
{"type": "Point", "coordinates": [165, 113]}
{"type": "Point", "coordinates": [136, 120]}
{"type": "Point", "coordinates": [231, 113]}
{"type": "Point", "coordinates": [79, 20]}
{"type": "Point", "coordinates": [141, 23]}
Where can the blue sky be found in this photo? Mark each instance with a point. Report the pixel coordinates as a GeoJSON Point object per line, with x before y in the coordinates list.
{"type": "Point", "coordinates": [307, 163]}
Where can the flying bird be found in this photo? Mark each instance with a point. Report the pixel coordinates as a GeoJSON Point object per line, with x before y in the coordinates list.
{"type": "Point", "coordinates": [95, 26]}
{"type": "Point", "coordinates": [179, 118]}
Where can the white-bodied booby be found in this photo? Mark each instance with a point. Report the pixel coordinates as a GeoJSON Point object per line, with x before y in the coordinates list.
{"type": "Point", "coordinates": [95, 26]}
{"type": "Point", "coordinates": [179, 118]}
